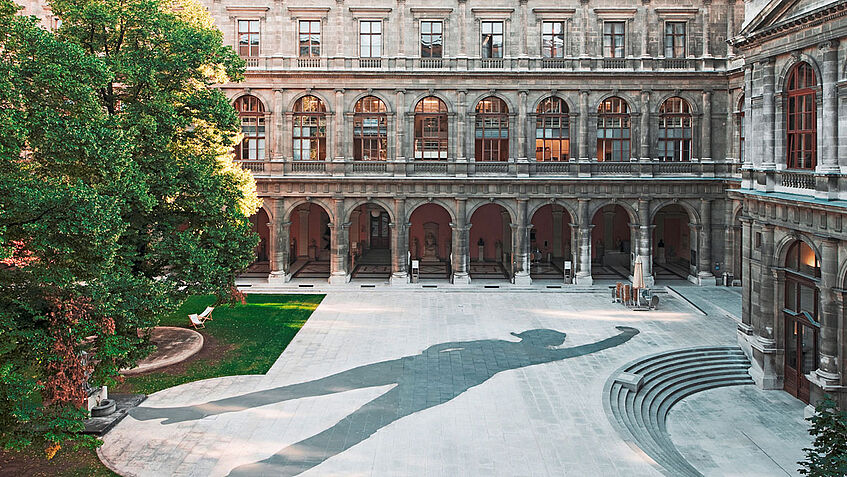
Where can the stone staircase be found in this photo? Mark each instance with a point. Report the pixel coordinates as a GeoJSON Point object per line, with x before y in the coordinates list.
{"type": "Point", "coordinates": [638, 397]}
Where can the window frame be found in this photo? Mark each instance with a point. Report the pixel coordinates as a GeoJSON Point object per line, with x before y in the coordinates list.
{"type": "Point", "coordinates": [371, 35]}
{"type": "Point", "coordinates": [683, 38]}
{"type": "Point", "coordinates": [319, 138]}
{"type": "Point", "coordinates": [564, 126]}
{"type": "Point", "coordinates": [491, 149]}
{"type": "Point", "coordinates": [249, 32]}
{"type": "Point", "coordinates": [421, 23]}
{"type": "Point", "coordinates": [609, 50]}
{"type": "Point", "coordinates": [361, 139]}
{"type": "Point", "coordinates": [552, 34]}
{"type": "Point", "coordinates": [681, 143]}
{"type": "Point", "coordinates": [739, 117]}
{"type": "Point", "coordinates": [482, 39]}
{"type": "Point", "coordinates": [626, 143]}
{"type": "Point", "coordinates": [257, 119]}
{"type": "Point", "coordinates": [807, 95]}
{"type": "Point", "coordinates": [441, 118]}
{"type": "Point", "coordinates": [310, 46]}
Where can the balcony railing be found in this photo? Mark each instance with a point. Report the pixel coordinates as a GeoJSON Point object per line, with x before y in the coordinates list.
{"type": "Point", "coordinates": [491, 63]}
{"type": "Point", "coordinates": [674, 63]}
{"type": "Point", "coordinates": [554, 63]}
{"type": "Point", "coordinates": [798, 180]}
{"type": "Point", "coordinates": [309, 62]}
{"type": "Point", "coordinates": [491, 167]}
{"type": "Point", "coordinates": [370, 63]}
{"type": "Point", "coordinates": [252, 62]}
{"type": "Point", "coordinates": [614, 63]}
{"type": "Point", "coordinates": [431, 63]}
{"type": "Point", "coordinates": [256, 167]}
{"type": "Point", "coordinates": [370, 167]}
{"type": "Point", "coordinates": [308, 167]}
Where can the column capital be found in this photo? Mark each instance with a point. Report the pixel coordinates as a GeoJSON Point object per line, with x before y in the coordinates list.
{"type": "Point", "coordinates": [829, 45]}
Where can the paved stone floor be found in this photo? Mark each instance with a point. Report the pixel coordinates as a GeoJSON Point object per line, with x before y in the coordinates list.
{"type": "Point", "coordinates": [455, 393]}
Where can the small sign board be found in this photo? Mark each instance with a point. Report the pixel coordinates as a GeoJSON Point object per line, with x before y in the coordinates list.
{"type": "Point", "coordinates": [416, 264]}
{"type": "Point", "coordinates": [568, 265]}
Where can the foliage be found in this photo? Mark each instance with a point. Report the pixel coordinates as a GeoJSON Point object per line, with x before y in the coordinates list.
{"type": "Point", "coordinates": [248, 337]}
{"type": "Point", "coordinates": [118, 196]}
{"type": "Point", "coordinates": [828, 457]}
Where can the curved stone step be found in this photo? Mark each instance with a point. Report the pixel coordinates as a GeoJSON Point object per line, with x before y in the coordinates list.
{"type": "Point", "coordinates": [638, 397]}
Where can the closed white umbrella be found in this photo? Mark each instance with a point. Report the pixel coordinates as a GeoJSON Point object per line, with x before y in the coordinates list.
{"type": "Point", "coordinates": [638, 274]}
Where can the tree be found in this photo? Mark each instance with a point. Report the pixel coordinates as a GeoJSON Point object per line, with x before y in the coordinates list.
{"type": "Point", "coordinates": [118, 195]}
{"type": "Point", "coordinates": [828, 457]}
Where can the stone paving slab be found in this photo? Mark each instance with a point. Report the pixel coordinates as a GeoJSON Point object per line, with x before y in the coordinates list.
{"type": "Point", "coordinates": [515, 418]}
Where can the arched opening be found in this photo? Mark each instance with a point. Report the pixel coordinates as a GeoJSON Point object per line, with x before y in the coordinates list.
{"type": "Point", "coordinates": [310, 241]}
{"type": "Point", "coordinates": [672, 254]}
{"type": "Point", "coordinates": [309, 134]}
{"type": "Point", "coordinates": [801, 121]}
{"type": "Point", "coordinates": [800, 311]}
{"type": "Point", "coordinates": [611, 243]}
{"type": "Point", "coordinates": [675, 130]}
{"type": "Point", "coordinates": [550, 242]}
{"type": "Point", "coordinates": [492, 130]}
{"type": "Point", "coordinates": [552, 130]}
{"type": "Point", "coordinates": [261, 260]}
{"type": "Point", "coordinates": [431, 129]}
{"type": "Point", "coordinates": [430, 240]}
{"type": "Point", "coordinates": [490, 242]}
{"type": "Point", "coordinates": [370, 130]}
{"type": "Point", "coordinates": [370, 242]}
{"type": "Point", "coordinates": [613, 133]}
{"type": "Point", "coordinates": [251, 114]}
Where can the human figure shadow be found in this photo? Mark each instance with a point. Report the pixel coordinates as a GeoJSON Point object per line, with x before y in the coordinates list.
{"type": "Point", "coordinates": [435, 376]}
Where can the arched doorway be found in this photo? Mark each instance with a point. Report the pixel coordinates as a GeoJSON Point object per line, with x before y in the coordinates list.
{"type": "Point", "coordinates": [310, 241]}
{"type": "Point", "coordinates": [611, 250]}
{"type": "Point", "coordinates": [430, 241]}
{"type": "Point", "coordinates": [370, 242]}
{"type": "Point", "coordinates": [672, 257]}
{"type": "Point", "coordinates": [490, 243]}
{"type": "Point", "coordinates": [801, 319]}
{"type": "Point", "coordinates": [550, 242]}
{"type": "Point", "coordinates": [261, 263]}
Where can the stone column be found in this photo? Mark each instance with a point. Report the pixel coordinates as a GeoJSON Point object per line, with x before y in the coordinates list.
{"type": "Point", "coordinates": [706, 29]}
{"type": "Point", "coordinates": [768, 118]}
{"type": "Point", "coordinates": [731, 128]}
{"type": "Point", "coordinates": [303, 236]}
{"type": "Point", "coordinates": [730, 24]}
{"type": "Point", "coordinates": [338, 145]}
{"type": "Point", "coordinates": [355, 227]}
{"type": "Point", "coordinates": [583, 274]}
{"type": "Point", "coordinates": [644, 251]}
{"type": "Point", "coordinates": [339, 272]}
{"type": "Point", "coordinates": [399, 244]}
{"type": "Point", "coordinates": [463, 25]}
{"type": "Point", "coordinates": [748, 122]}
{"type": "Point", "coordinates": [558, 213]}
{"type": "Point", "coordinates": [828, 372]}
{"type": "Point", "coordinates": [400, 132]}
{"type": "Point", "coordinates": [459, 258]}
{"type": "Point", "coordinates": [645, 27]}
{"type": "Point", "coordinates": [461, 127]}
{"type": "Point", "coordinates": [645, 125]}
{"type": "Point", "coordinates": [280, 263]}
{"type": "Point", "coordinates": [522, 149]}
{"type": "Point", "coordinates": [746, 326]}
{"type": "Point", "coordinates": [401, 33]}
{"type": "Point", "coordinates": [278, 121]}
{"type": "Point", "coordinates": [586, 29]}
{"type": "Point", "coordinates": [520, 246]}
{"type": "Point", "coordinates": [583, 125]}
{"type": "Point", "coordinates": [704, 254]}
{"type": "Point", "coordinates": [339, 28]}
{"type": "Point", "coordinates": [763, 327]}
{"type": "Point", "coordinates": [829, 119]}
{"type": "Point", "coordinates": [522, 29]}
{"type": "Point", "coordinates": [706, 128]}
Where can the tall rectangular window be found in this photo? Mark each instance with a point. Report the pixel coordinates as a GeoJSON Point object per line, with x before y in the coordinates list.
{"type": "Point", "coordinates": [310, 38]}
{"type": "Point", "coordinates": [370, 38]}
{"type": "Point", "coordinates": [553, 39]}
{"type": "Point", "coordinates": [248, 38]}
{"type": "Point", "coordinates": [492, 39]}
{"type": "Point", "coordinates": [675, 40]}
{"type": "Point", "coordinates": [613, 39]}
{"type": "Point", "coordinates": [432, 38]}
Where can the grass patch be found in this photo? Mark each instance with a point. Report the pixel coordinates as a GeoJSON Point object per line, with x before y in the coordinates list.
{"type": "Point", "coordinates": [67, 463]}
{"type": "Point", "coordinates": [241, 339]}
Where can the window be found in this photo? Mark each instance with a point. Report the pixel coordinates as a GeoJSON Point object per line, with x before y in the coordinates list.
{"type": "Point", "coordinates": [370, 38]}
{"type": "Point", "coordinates": [248, 38]}
{"type": "Point", "coordinates": [675, 130]}
{"type": "Point", "coordinates": [310, 38]}
{"type": "Point", "coordinates": [613, 39]}
{"type": "Point", "coordinates": [370, 130]}
{"type": "Point", "coordinates": [613, 130]}
{"type": "Point", "coordinates": [432, 39]}
{"type": "Point", "coordinates": [552, 131]}
{"type": "Point", "coordinates": [492, 130]}
{"type": "Point", "coordinates": [431, 129]}
{"type": "Point", "coordinates": [251, 112]}
{"type": "Point", "coordinates": [674, 39]}
{"type": "Point", "coordinates": [309, 133]}
{"type": "Point", "coordinates": [739, 118]}
{"type": "Point", "coordinates": [801, 125]}
{"type": "Point", "coordinates": [492, 39]}
{"type": "Point", "coordinates": [553, 39]}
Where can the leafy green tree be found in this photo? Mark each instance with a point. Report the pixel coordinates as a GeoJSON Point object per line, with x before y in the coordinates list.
{"type": "Point", "coordinates": [118, 195]}
{"type": "Point", "coordinates": [828, 457]}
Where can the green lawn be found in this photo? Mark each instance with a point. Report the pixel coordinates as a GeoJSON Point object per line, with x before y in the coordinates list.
{"type": "Point", "coordinates": [250, 337]}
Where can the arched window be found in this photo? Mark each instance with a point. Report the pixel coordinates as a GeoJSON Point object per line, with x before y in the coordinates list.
{"type": "Point", "coordinates": [613, 123]}
{"type": "Point", "coordinates": [309, 133]}
{"type": "Point", "coordinates": [492, 130]}
{"type": "Point", "coordinates": [552, 131]}
{"type": "Point", "coordinates": [370, 130]}
{"type": "Point", "coordinates": [251, 112]}
{"type": "Point", "coordinates": [801, 127]}
{"type": "Point", "coordinates": [675, 130]}
{"type": "Point", "coordinates": [800, 311]}
{"type": "Point", "coordinates": [739, 119]}
{"type": "Point", "coordinates": [431, 129]}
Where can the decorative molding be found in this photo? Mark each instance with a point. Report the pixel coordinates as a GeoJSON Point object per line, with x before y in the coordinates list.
{"type": "Point", "coordinates": [553, 13]}
{"type": "Point", "coordinates": [370, 12]}
{"type": "Point", "coordinates": [431, 12]}
{"type": "Point", "coordinates": [493, 13]}
{"type": "Point", "coordinates": [308, 12]}
{"type": "Point", "coordinates": [615, 13]}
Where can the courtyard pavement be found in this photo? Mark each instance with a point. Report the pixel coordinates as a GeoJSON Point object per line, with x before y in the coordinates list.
{"type": "Point", "coordinates": [434, 383]}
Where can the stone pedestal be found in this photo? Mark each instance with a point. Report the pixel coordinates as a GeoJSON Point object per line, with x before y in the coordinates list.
{"type": "Point", "coordinates": [279, 277]}
{"type": "Point", "coordinates": [481, 251]}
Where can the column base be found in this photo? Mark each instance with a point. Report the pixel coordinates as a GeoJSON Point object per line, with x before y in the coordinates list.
{"type": "Point", "coordinates": [399, 279]}
{"type": "Point", "coordinates": [584, 280]}
{"type": "Point", "coordinates": [766, 369]}
{"type": "Point", "coordinates": [339, 279]}
{"type": "Point", "coordinates": [461, 279]}
{"type": "Point", "coordinates": [279, 277]}
{"type": "Point", "coordinates": [704, 280]}
{"type": "Point", "coordinates": [522, 279]}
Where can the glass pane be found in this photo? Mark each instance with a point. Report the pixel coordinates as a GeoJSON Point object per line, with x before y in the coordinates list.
{"type": "Point", "coordinates": [791, 344]}
{"type": "Point", "coordinates": [809, 362]}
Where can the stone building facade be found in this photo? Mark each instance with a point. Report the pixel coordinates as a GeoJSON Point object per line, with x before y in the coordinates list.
{"type": "Point", "coordinates": [510, 140]}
